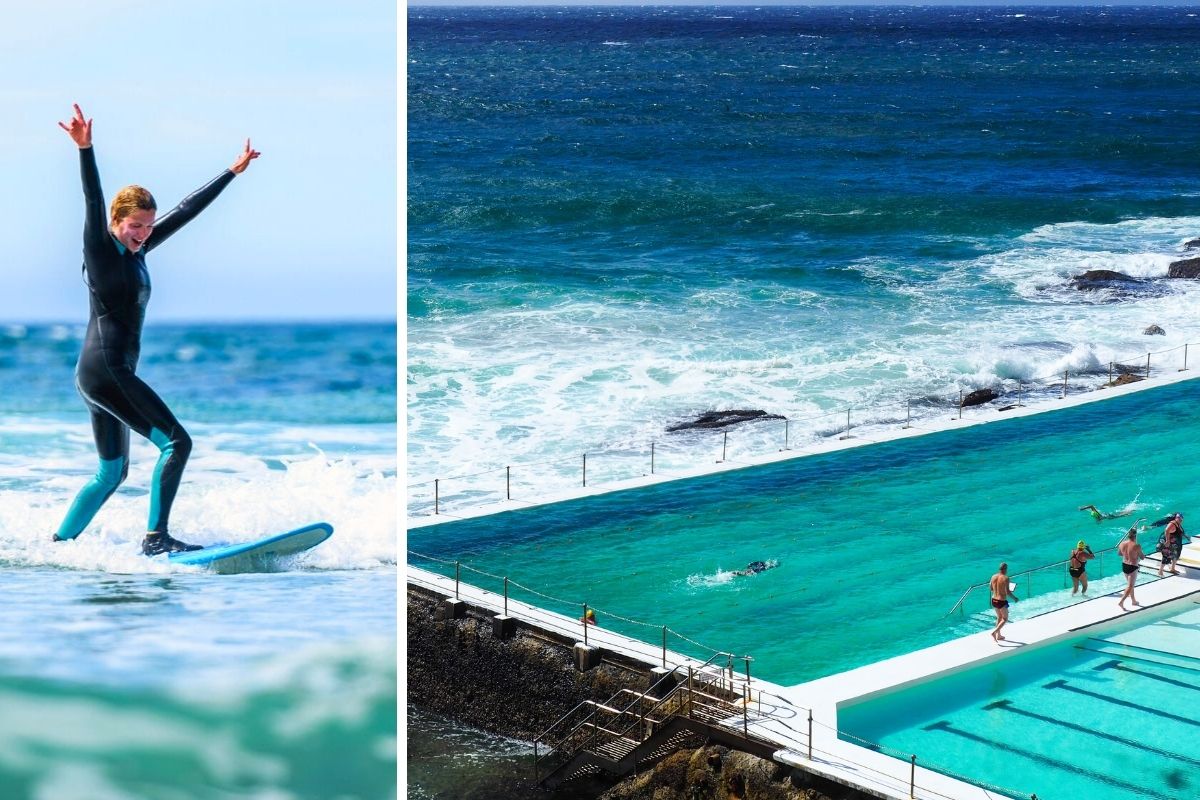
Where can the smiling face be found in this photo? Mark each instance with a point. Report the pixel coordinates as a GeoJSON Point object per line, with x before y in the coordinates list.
{"type": "Point", "coordinates": [134, 229]}
{"type": "Point", "coordinates": [132, 217]}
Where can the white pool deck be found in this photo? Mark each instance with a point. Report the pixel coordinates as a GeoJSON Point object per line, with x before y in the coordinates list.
{"type": "Point", "coordinates": [780, 713]}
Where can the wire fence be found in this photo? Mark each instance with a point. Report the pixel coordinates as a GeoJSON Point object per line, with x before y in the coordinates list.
{"type": "Point", "coordinates": [688, 451]}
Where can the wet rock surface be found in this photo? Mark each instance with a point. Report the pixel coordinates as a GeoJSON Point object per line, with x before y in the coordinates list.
{"type": "Point", "coordinates": [720, 419]}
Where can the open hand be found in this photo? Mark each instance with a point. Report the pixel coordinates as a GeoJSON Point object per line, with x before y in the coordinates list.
{"type": "Point", "coordinates": [80, 129]}
{"type": "Point", "coordinates": [243, 159]}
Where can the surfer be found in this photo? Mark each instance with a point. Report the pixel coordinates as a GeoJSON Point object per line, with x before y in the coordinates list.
{"type": "Point", "coordinates": [755, 567]}
{"type": "Point", "coordinates": [114, 269]}
{"type": "Point", "coordinates": [1100, 516]}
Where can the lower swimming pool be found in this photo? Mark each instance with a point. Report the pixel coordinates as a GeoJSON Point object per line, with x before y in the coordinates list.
{"type": "Point", "coordinates": [874, 544]}
{"type": "Point", "coordinates": [1107, 715]}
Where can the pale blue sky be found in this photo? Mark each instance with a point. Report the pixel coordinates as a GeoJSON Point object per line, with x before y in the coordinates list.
{"type": "Point", "coordinates": [174, 87]}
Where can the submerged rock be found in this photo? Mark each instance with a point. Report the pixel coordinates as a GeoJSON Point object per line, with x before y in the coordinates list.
{"type": "Point", "coordinates": [979, 397]}
{"type": "Point", "coordinates": [721, 419]}
{"type": "Point", "coordinates": [1095, 279]}
{"type": "Point", "coordinates": [1192, 245]}
{"type": "Point", "coordinates": [1127, 377]}
{"type": "Point", "coordinates": [1187, 268]}
{"type": "Point", "coordinates": [1154, 330]}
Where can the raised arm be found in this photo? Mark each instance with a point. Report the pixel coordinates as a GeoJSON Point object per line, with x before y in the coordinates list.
{"type": "Point", "coordinates": [95, 225]}
{"type": "Point", "coordinates": [166, 225]}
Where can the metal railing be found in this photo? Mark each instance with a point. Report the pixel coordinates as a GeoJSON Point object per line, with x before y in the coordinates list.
{"type": "Point", "coordinates": [529, 481]}
{"type": "Point", "coordinates": [1046, 578]}
{"type": "Point", "coordinates": [575, 610]}
{"type": "Point", "coordinates": [616, 729]}
{"type": "Point", "coordinates": [714, 692]}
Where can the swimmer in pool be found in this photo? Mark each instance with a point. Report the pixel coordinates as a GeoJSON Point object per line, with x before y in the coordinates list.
{"type": "Point", "coordinates": [1100, 516]}
{"type": "Point", "coordinates": [755, 567]}
{"type": "Point", "coordinates": [114, 270]}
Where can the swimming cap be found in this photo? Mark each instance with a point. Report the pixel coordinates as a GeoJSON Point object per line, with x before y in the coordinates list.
{"type": "Point", "coordinates": [1082, 543]}
{"type": "Point", "coordinates": [590, 614]}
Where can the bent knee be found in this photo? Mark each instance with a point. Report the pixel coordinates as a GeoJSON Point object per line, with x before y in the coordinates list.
{"type": "Point", "coordinates": [112, 472]}
{"type": "Point", "coordinates": [178, 443]}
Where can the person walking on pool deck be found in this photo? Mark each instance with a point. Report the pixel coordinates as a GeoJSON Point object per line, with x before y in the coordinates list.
{"type": "Point", "coordinates": [114, 269]}
{"type": "Point", "coordinates": [1170, 547]}
{"type": "Point", "coordinates": [1131, 556]}
{"type": "Point", "coordinates": [1001, 591]}
{"type": "Point", "coordinates": [1077, 566]}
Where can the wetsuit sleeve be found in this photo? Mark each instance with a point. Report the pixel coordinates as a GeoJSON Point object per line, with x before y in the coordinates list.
{"type": "Point", "coordinates": [186, 211]}
{"type": "Point", "coordinates": [95, 227]}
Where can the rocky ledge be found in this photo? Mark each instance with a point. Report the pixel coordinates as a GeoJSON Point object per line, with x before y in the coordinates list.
{"type": "Point", "coordinates": [519, 687]}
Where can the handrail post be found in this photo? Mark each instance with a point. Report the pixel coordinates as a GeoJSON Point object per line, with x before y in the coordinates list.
{"type": "Point", "coordinates": [1147, 365]}
{"type": "Point", "coordinates": [908, 420]}
{"type": "Point", "coordinates": [745, 713]}
{"type": "Point", "coordinates": [691, 699]}
{"type": "Point", "coordinates": [960, 403]}
{"type": "Point", "coordinates": [508, 482]}
{"type": "Point", "coordinates": [748, 659]}
{"type": "Point", "coordinates": [724, 445]}
{"type": "Point", "coordinates": [435, 495]}
{"type": "Point", "coordinates": [652, 458]}
{"type": "Point", "coordinates": [1110, 372]}
{"type": "Point", "coordinates": [1020, 390]}
{"type": "Point", "coordinates": [785, 426]}
{"type": "Point", "coordinates": [535, 763]}
{"type": "Point", "coordinates": [1065, 372]}
{"type": "Point", "coordinates": [585, 470]}
{"type": "Point", "coordinates": [847, 436]}
{"type": "Point", "coordinates": [664, 646]}
{"type": "Point", "coordinates": [912, 778]}
{"type": "Point", "coordinates": [1184, 357]}
{"type": "Point", "coordinates": [457, 568]}
{"type": "Point", "coordinates": [506, 595]}
{"type": "Point", "coordinates": [584, 620]}
{"type": "Point", "coordinates": [810, 734]}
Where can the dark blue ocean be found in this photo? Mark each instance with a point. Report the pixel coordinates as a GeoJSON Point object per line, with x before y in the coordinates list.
{"type": "Point", "coordinates": [128, 677]}
{"type": "Point", "coordinates": [619, 217]}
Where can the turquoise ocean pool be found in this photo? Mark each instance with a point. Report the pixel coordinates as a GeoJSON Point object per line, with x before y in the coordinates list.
{"type": "Point", "coordinates": [874, 544]}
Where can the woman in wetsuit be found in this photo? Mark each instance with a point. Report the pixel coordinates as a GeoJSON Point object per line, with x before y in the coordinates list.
{"type": "Point", "coordinates": [114, 268]}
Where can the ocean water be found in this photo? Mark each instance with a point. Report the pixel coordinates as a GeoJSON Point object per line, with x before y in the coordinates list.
{"type": "Point", "coordinates": [620, 217]}
{"type": "Point", "coordinates": [125, 677]}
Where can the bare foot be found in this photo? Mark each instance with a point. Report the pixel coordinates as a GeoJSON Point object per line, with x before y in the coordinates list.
{"type": "Point", "coordinates": [1135, 602]}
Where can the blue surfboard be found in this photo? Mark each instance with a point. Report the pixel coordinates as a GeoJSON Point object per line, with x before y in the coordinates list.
{"type": "Point", "coordinates": [257, 556]}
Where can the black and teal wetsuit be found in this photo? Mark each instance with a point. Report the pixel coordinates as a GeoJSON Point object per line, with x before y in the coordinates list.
{"type": "Point", "coordinates": [119, 287]}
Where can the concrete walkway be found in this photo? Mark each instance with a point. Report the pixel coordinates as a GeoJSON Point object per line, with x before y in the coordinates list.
{"type": "Point", "coordinates": [782, 713]}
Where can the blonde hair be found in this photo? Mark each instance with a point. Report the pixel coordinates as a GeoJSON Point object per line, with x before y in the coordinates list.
{"type": "Point", "coordinates": [130, 199]}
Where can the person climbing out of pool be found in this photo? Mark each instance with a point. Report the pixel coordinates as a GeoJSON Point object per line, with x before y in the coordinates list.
{"type": "Point", "coordinates": [1101, 516]}
{"type": "Point", "coordinates": [1002, 589]}
{"type": "Point", "coordinates": [1131, 555]}
{"type": "Point", "coordinates": [1077, 566]}
{"type": "Point", "coordinates": [755, 567]}
{"type": "Point", "coordinates": [114, 270]}
{"type": "Point", "coordinates": [1170, 544]}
